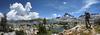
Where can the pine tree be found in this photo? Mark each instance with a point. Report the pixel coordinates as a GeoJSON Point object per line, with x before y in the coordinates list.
{"type": "Point", "coordinates": [4, 23]}
{"type": "Point", "coordinates": [42, 28]}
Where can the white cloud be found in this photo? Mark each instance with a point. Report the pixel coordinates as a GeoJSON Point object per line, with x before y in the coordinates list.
{"type": "Point", "coordinates": [64, 2]}
{"type": "Point", "coordinates": [28, 6]}
{"type": "Point", "coordinates": [88, 3]}
{"type": "Point", "coordinates": [19, 12]}
{"type": "Point", "coordinates": [56, 15]}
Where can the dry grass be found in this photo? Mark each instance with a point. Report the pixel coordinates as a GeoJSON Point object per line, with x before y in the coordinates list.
{"type": "Point", "coordinates": [97, 28]}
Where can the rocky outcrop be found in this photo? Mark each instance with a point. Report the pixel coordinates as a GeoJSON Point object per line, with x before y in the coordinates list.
{"type": "Point", "coordinates": [79, 30]}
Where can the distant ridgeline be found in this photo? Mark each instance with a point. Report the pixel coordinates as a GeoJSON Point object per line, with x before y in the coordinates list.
{"type": "Point", "coordinates": [24, 22]}
{"type": "Point", "coordinates": [65, 18]}
{"type": "Point", "coordinates": [94, 17]}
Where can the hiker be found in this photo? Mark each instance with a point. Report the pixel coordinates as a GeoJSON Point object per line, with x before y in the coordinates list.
{"type": "Point", "coordinates": [87, 17]}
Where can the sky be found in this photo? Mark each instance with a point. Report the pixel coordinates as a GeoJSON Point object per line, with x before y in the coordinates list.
{"type": "Point", "coordinates": [55, 8]}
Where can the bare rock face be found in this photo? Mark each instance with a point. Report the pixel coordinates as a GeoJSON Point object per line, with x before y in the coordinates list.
{"type": "Point", "coordinates": [79, 30]}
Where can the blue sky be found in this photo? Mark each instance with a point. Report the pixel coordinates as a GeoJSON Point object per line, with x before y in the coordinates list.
{"type": "Point", "coordinates": [46, 8]}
